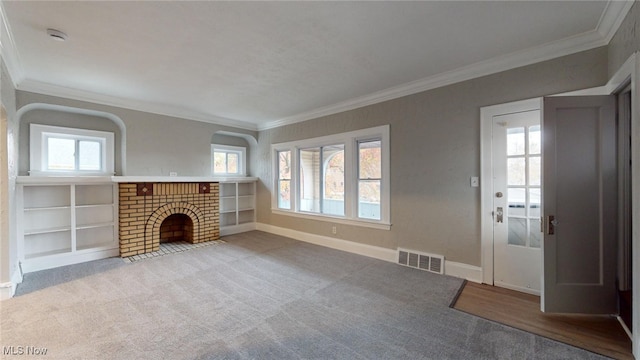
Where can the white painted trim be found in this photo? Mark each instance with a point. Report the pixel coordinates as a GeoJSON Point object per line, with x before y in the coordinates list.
{"type": "Point", "coordinates": [237, 229]}
{"type": "Point", "coordinates": [625, 328]}
{"type": "Point", "coordinates": [53, 261]}
{"type": "Point", "coordinates": [131, 104]}
{"type": "Point", "coordinates": [548, 51]}
{"type": "Point", "coordinates": [9, 51]}
{"type": "Point", "coordinates": [7, 290]}
{"type": "Point", "coordinates": [612, 17]}
{"type": "Point", "coordinates": [333, 219]}
{"type": "Point", "coordinates": [73, 110]}
{"type": "Point", "coordinates": [463, 271]}
{"type": "Point", "coordinates": [333, 243]}
{"type": "Point", "coordinates": [486, 176]}
{"type": "Point", "coordinates": [635, 203]}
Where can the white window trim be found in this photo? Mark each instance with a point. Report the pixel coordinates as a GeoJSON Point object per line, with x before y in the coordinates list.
{"type": "Point", "coordinates": [350, 141]}
{"type": "Point", "coordinates": [242, 167]}
{"type": "Point", "coordinates": [38, 152]}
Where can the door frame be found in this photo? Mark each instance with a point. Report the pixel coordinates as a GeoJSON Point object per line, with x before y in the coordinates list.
{"type": "Point", "coordinates": [486, 176]}
{"type": "Point", "coordinates": [629, 71]}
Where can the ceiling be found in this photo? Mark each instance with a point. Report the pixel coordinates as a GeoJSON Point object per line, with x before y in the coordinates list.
{"type": "Point", "coordinates": [258, 65]}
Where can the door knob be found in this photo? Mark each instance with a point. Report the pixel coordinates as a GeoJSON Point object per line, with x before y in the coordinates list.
{"type": "Point", "coordinates": [499, 194]}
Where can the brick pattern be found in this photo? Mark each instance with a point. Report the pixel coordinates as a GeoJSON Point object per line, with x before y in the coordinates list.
{"type": "Point", "coordinates": [142, 213]}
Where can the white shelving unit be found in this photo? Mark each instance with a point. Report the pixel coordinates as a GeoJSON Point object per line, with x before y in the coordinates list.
{"type": "Point", "coordinates": [62, 223]}
{"type": "Point", "coordinates": [237, 206]}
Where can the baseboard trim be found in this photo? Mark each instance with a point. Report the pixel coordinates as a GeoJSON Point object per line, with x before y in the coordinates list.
{"type": "Point", "coordinates": [333, 243]}
{"type": "Point", "coordinates": [463, 271]}
{"type": "Point", "coordinates": [517, 288]}
{"type": "Point", "coordinates": [50, 262]}
{"type": "Point", "coordinates": [236, 229]}
{"type": "Point", "coordinates": [7, 290]}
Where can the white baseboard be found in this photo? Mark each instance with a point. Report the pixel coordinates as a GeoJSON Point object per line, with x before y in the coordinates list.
{"type": "Point", "coordinates": [236, 229]}
{"type": "Point", "coordinates": [339, 244]}
{"type": "Point", "coordinates": [463, 271]}
{"type": "Point", "coordinates": [53, 261]}
{"type": "Point", "coordinates": [7, 289]}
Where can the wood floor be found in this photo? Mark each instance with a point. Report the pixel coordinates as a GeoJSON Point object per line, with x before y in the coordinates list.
{"type": "Point", "coordinates": [599, 334]}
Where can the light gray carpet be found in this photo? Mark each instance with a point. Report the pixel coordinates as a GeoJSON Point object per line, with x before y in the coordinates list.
{"type": "Point", "coordinates": [261, 296]}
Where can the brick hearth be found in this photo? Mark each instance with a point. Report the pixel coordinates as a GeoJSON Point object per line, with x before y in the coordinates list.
{"type": "Point", "coordinates": [144, 206]}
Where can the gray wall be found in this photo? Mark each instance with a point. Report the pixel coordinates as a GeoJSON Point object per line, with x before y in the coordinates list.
{"type": "Point", "coordinates": [155, 144]}
{"type": "Point", "coordinates": [435, 148]}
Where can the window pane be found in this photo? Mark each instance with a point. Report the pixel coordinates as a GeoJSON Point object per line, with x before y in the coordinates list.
{"type": "Point", "coordinates": [333, 199]}
{"type": "Point", "coordinates": [535, 139]}
{"type": "Point", "coordinates": [220, 162]}
{"type": "Point", "coordinates": [515, 141]}
{"type": "Point", "coordinates": [61, 154]}
{"type": "Point", "coordinates": [310, 180]}
{"type": "Point", "coordinates": [534, 202]}
{"type": "Point", "coordinates": [516, 198]}
{"type": "Point", "coordinates": [232, 163]}
{"type": "Point", "coordinates": [89, 157]}
{"type": "Point", "coordinates": [284, 194]}
{"type": "Point", "coordinates": [517, 232]}
{"type": "Point", "coordinates": [370, 160]}
{"type": "Point", "coordinates": [535, 235]}
{"type": "Point", "coordinates": [369, 199]}
{"type": "Point", "coordinates": [534, 170]}
{"type": "Point", "coordinates": [284, 165]}
{"type": "Point", "coordinates": [516, 171]}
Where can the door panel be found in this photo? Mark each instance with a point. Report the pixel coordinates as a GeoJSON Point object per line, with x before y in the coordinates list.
{"type": "Point", "coordinates": [516, 196]}
{"type": "Point", "coordinates": [580, 205]}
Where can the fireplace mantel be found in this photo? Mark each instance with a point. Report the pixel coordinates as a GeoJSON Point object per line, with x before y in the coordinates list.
{"type": "Point", "coordinates": [127, 179]}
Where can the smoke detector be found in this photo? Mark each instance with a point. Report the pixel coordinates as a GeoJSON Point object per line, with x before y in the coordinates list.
{"type": "Point", "coordinates": [57, 35]}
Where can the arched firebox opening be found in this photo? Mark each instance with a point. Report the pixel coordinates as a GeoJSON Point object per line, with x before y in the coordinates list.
{"type": "Point", "coordinates": [176, 227]}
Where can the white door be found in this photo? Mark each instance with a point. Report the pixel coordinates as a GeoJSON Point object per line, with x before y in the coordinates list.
{"type": "Point", "coordinates": [580, 205]}
{"type": "Point", "coordinates": [517, 182]}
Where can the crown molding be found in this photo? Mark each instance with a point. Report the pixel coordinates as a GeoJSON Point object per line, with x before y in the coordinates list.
{"type": "Point", "coordinates": [148, 107]}
{"type": "Point", "coordinates": [8, 49]}
{"type": "Point", "coordinates": [612, 17]}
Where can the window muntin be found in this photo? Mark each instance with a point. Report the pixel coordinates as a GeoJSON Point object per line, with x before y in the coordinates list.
{"type": "Point", "coordinates": [327, 178]}
{"type": "Point", "coordinates": [228, 160]}
{"type": "Point", "coordinates": [58, 150]}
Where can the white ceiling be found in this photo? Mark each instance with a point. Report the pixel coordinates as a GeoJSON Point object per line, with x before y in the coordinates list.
{"type": "Point", "coordinates": [263, 64]}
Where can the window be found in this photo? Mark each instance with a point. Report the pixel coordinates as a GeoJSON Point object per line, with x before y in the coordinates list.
{"type": "Point", "coordinates": [58, 150]}
{"type": "Point", "coordinates": [228, 160]}
{"type": "Point", "coordinates": [343, 177]}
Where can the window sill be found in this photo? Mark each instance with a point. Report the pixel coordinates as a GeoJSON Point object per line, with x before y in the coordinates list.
{"type": "Point", "coordinates": [334, 219]}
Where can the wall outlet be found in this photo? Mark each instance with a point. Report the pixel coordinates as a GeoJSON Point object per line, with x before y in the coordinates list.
{"type": "Point", "coordinates": [173, 173]}
{"type": "Point", "coordinates": [334, 230]}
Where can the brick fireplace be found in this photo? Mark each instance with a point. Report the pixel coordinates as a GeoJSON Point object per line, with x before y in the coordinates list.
{"type": "Point", "coordinates": [151, 212]}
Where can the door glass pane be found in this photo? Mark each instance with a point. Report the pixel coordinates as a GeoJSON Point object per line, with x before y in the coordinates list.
{"type": "Point", "coordinates": [515, 141]}
{"type": "Point", "coordinates": [61, 154]}
{"type": "Point", "coordinates": [535, 235]}
{"type": "Point", "coordinates": [517, 232]}
{"type": "Point", "coordinates": [534, 170]}
{"type": "Point", "coordinates": [516, 198]}
{"type": "Point", "coordinates": [89, 158]}
{"type": "Point", "coordinates": [310, 179]}
{"type": "Point", "coordinates": [535, 139]}
{"type": "Point", "coordinates": [369, 199]}
{"type": "Point", "coordinates": [534, 203]}
{"type": "Point", "coordinates": [516, 171]}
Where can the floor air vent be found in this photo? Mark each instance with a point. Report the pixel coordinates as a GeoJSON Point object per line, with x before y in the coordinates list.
{"type": "Point", "coordinates": [422, 261]}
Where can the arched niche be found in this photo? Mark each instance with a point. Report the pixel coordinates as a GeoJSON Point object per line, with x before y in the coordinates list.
{"type": "Point", "coordinates": [66, 116]}
{"type": "Point", "coordinates": [247, 141]}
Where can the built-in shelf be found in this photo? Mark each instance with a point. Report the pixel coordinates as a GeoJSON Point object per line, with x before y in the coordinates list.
{"type": "Point", "coordinates": [237, 205]}
{"type": "Point", "coordinates": [66, 222]}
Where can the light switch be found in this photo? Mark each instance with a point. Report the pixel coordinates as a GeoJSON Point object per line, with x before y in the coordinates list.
{"type": "Point", "coordinates": [475, 181]}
